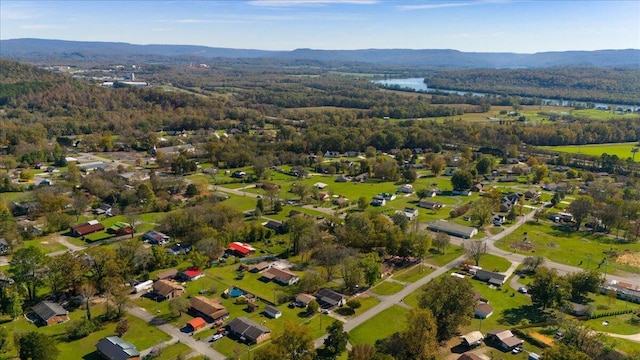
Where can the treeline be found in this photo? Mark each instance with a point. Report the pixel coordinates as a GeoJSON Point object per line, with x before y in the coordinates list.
{"type": "Point", "coordinates": [590, 84]}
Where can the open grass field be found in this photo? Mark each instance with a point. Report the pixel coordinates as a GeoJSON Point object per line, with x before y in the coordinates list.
{"type": "Point", "coordinates": [566, 246]}
{"type": "Point", "coordinates": [380, 326]}
{"type": "Point", "coordinates": [494, 263]}
{"type": "Point", "coordinates": [621, 150]}
{"type": "Point", "coordinates": [387, 288]}
{"type": "Point", "coordinates": [412, 274]}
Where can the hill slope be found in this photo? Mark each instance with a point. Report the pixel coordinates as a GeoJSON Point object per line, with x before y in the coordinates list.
{"type": "Point", "coordinates": [35, 50]}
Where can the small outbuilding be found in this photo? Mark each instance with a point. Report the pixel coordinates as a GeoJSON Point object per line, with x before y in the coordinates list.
{"type": "Point", "coordinates": [87, 228]}
{"type": "Point", "coordinates": [248, 330]}
{"type": "Point", "coordinates": [114, 348]}
{"type": "Point", "coordinates": [50, 313]}
{"type": "Point", "coordinates": [462, 231]}
{"type": "Point", "coordinates": [196, 324]}
{"type": "Point", "coordinates": [472, 339]}
{"type": "Point", "coordinates": [272, 312]}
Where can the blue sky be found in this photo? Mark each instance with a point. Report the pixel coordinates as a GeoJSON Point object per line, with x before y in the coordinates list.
{"type": "Point", "coordinates": [482, 25]}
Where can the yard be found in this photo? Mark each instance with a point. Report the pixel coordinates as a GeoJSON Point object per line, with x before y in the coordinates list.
{"type": "Point", "coordinates": [380, 326]}
{"type": "Point", "coordinates": [622, 150]}
{"type": "Point", "coordinates": [561, 244]}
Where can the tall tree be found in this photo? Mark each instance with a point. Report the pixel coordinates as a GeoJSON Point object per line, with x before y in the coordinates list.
{"type": "Point", "coordinates": [475, 249]}
{"type": "Point", "coordinates": [26, 268]}
{"type": "Point", "coordinates": [336, 341]}
{"type": "Point", "coordinates": [548, 289]}
{"type": "Point", "coordinates": [361, 352]}
{"type": "Point", "coordinates": [563, 352]}
{"type": "Point", "coordinates": [584, 282]}
{"type": "Point", "coordinates": [580, 208]}
{"type": "Point", "coordinates": [481, 211]}
{"type": "Point", "coordinates": [462, 180]}
{"type": "Point", "coordinates": [441, 241]}
{"type": "Point", "coordinates": [37, 346]}
{"type": "Point", "coordinates": [295, 342]}
{"type": "Point", "coordinates": [450, 300]}
{"type": "Point", "coordinates": [371, 268]}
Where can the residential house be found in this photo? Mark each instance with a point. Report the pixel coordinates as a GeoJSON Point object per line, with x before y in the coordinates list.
{"type": "Point", "coordinates": [24, 208]}
{"type": "Point", "coordinates": [343, 178]}
{"type": "Point", "coordinates": [241, 249]}
{"type": "Point", "coordinates": [463, 192]}
{"type": "Point", "coordinates": [192, 274]}
{"type": "Point", "coordinates": [209, 309]}
{"type": "Point", "coordinates": [239, 174]}
{"type": "Point", "coordinates": [302, 300]}
{"type": "Point", "coordinates": [323, 196]}
{"type": "Point", "coordinates": [120, 228]}
{"type": "Point", "coordinates": [166, 290]}
{"type": "Point", "coordinates": [578, 309]}
{"type": "Point", "coordinates": [196, 324]}
{"type": "Point", "coordinates": [472, 339]}
{"type": "Point", "coordinates": [361, 178]}
{"type": "Point", "coordinates": [430, 205]}
{"type": "Point", "coordinates": [388, 196]}
{"type": "Point", "coordinates": [491, 277]}
{"type": "Point", "coordinates": [104, 209]}
{"type": "Point", "coordinates": [450, 171]}
{"type": "Point", "coordinates": [531, 194]}
{"type": "Point", "coordinates": [378, 201]}
{"type": "Point", "coordinates": [50, 313]}
{"type": "Point", "coordinates": [167, 274]}
{"type": "Point", "coordinates": [177, 149]}
{"type": "Point", "coordinates": [320, 185]}
{"type": "Point", "coordinates": [248, 330]}
{"type": "Point", "coordinates": [409, 213]}
{"type": "Point", "coordinates": [281, 276]}
{"type": "Point", "coordinates": [623, 290]}
{"type": "Point", "coordinates": [328, 298]}
{"type": "Point", "coordinates": [503, 339]}
{"type": "Point", "coordinates": [477, 187]}
{"type": "Point", "coordinates": [5, 248]}
{"type": "Point", "coordinates": [87, 228]}
{"type": "Point", "coordinates": [114, 348]}
{"type": "Point", "coordinates": [261, 266]}
{"type": "Point", "coordinates": [276, 226]}
{"type": "Point", "coordinates": [465, 232]}
{"type": "Point", "coordinates": [272, 312]}
{"type": "Point", "coordinates": [155, 237]}
{"type": "Point", "coordinates": [508, 179]}
{"type": "Point", "coordinates": [351, 154]}
{"type": "Point", "coordinates": [179, 248]}
{"type": "Point", "coordinates": [332, 154]}
{"type": "Point", "coordinates": [406, 188]}
{"type": "Point", "coordinates": [482, 310]}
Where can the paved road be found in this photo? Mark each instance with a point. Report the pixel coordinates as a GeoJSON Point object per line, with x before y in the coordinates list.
{"type": "Point", "coordinates": [202, 346]}
{"type": "Point", "coordinates": [388, 301]}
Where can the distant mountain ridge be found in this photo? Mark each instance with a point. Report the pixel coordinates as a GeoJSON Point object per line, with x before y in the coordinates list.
{"type": "Point", "coordinates": [39, 49]}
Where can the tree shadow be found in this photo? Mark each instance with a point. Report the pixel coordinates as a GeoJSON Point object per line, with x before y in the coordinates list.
{"type": "Point", "coordinates": [514, 316]}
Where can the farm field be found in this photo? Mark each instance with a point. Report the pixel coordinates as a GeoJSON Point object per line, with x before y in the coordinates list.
{"type": "Point", "coordinates": [621, 150]}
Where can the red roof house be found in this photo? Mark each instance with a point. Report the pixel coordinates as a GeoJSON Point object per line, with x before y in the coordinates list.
{"type": "Point", "coordinates": [87, 228]}
{"type": "Point", "coordinates": [197, 323]}
{"type": "Point", "coordinates": [241, 249]}
{"type": "Point", "coordinates": [193, 274]}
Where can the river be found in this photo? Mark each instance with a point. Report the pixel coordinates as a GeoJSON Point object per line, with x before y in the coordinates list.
{"type": "Point", "coordinates": [418, 84]}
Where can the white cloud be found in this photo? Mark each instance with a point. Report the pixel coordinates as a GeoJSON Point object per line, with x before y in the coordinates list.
{"type": "Point", "coordinates": [309, 2]}
{"type": "Point", "coordinates": [453, 4]}
{"type": "Point", "coordinates": [186, 21]}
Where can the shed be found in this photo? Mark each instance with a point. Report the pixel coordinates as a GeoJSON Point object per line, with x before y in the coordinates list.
{"type": "Point", "coordinates": [197, 323]}
{"type": "Point", "coordinates": [167, 274]}
{"type": "Point", "coordinates": [272, 312]}
{"type": "Point", "coordinates": [87, 228]}
{"type": "Point", "coordinates": [328, 298]}
{"type": "Point", "coordinates": [483, 310]}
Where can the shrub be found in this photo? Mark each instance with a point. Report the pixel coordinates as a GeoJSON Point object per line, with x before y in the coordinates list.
{"type": "Point", "coordinates": [80, 328]}
{"type": "Point", "coordinates": [354, 304]}
{"type": "Point", "coordinates": [460, 211]}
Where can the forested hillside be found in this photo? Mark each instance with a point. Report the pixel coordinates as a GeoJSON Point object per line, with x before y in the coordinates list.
{"type": "Point", "coordinates": [588, 84]}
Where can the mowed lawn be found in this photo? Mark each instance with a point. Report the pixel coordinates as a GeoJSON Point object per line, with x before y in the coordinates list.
{"type": "Point", "coordinates": [380, 326]}
{"type": "Point", "coordinates": [621, 150]}
{"type": "Point", "coordinates": [566, 246]}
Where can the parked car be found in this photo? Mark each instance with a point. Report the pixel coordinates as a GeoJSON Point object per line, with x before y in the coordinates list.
{"type": "Point", "coordinates": [522, 290]}
{"type": "Point", "coordinates": [216, 337]}
{"type": "Point", "coordinates": [516, 350]}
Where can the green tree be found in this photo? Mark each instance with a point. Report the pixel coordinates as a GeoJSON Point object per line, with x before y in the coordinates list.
{"type": "Point", "coordinates": [362, 203]}
{"type": "Point", "coordinates": [580, 208]}
{"type": "Point", "coordinates": [26, 268]}
{"type": "Point", "coordinates": [361, 352]}
{"type": "Point", "coordinates": [548, 289]}
{"type": "Point", "coordinates": [584, 282]}
{"type": "Point", "coordinates": [179, 305]}
{"type": "Point", "coordinates": [539, 173]}
{"type": "Point", "coordinates": [462, 180]}
{"type": "Point", "coordinates": [410, 175]}
{"type": "Point", "coordinates": [301, 231]}
{"type": "Point", "coordinates": [192, 190]}
{"type": "Point", "coordinates": [441, 241]}
{"type": "Point", "coordinates": [531, 263]}
{"type": "Point", "coordinates": [371, 268]}
{"type": "Point", "coordinates": [37, 346]}
{"type": "Point", "coordinates": [295, 342]}
{"type": "Point", "coordinates": [481, 211]}
{"type": "Point", "coordinates": [313, 307]}
{"type": "Point", "coordinates": [450, 300]}
{"type": "Point", "coordinates": [6, 340]}
{"type": "Point", "coordinates": [563, 352]}
{"type": "Point", "coordinates": [336, 341]}
{"type": "Point", "coordinates": [475, 249]}
{"type": "Point", "coordinates": [485, 164]}
{"type": "Point", "coordinates": [351, 273]}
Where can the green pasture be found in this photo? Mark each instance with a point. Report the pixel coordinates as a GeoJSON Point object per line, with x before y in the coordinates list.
{"type": "Point", "coordinates": [412, 274]}
{"type": "Point", "coordinates": [387, 288]}
{"type": "Point", "coordinates": [561, 244]}
{"type": "Point", "coordinates": [494, 263]}
{"type": "Point", "coordinates": [621, 150]}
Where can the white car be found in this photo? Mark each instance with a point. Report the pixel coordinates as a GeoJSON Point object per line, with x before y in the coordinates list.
{"type": "Point", "coordinates": [516, 350]}
{"type": "Point", "coordinates": [522, 290]}
{"type": "Point", "coordinates": [217, 337]}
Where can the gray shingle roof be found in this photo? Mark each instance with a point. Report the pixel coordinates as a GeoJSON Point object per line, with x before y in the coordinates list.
{"type": "Point", "coordinates": [251, 330]}
{"type": "Point", "coordinates": [47, 310]}
{"type": "Point", "coordinates": [115, 348]}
